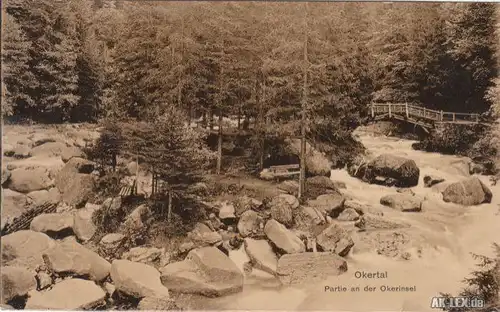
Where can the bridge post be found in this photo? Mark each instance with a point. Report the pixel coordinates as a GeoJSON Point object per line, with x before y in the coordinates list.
{"type": "Point", "coordinates": [373, 111]}
{"type": "Point", "coordinates": [441, 117]}
{"type": "Point", "coordinates": [406, 108]}
{"type": "Point", "coordinates": [454, 117]}
{"type": "Point", "coordinates": [390, 113]}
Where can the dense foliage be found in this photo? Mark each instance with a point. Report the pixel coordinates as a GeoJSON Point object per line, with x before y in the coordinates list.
{"type": "Point", "coordinates": [84, 60]}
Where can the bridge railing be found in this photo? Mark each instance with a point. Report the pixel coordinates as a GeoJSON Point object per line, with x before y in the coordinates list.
{"type": "Point", "coordinates": [409, 110]}
{"type": "Point", "coordinates": [459, 117]}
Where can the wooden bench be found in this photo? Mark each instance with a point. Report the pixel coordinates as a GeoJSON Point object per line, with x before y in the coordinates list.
{"type": "Point", "coordinates": [128, 190]}
{"type": "Point", "coordinates": [285, 170]}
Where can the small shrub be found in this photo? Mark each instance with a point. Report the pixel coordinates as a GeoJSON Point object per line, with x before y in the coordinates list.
{"type": "Point", "coordinates": [108, 185]}
{"type": "Point", "coordinates": [453, 139]}
{"type": "Point", "coordinates": [134, 236]}
{"type": "Point", "coordinates": [484, 282]}
{"type": "Point", "coordinates": [108, 220]}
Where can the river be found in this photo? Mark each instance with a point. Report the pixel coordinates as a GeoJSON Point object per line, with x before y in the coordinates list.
{"type": "Point", "coordinates": [443, 236]}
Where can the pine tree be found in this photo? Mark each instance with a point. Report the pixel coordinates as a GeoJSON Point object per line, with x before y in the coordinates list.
{"type": "Point", "coordinates": [175, 152]}
{"type": "Point", "coordinates": [471, 33]}
{"type": "Point", "coordinates": [53, 53]}
{"type": "Point", "coordinates": [17, 80]}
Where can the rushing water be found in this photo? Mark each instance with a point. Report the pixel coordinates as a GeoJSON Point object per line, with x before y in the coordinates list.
{"type": "Point", "coordinates": [445, 234]}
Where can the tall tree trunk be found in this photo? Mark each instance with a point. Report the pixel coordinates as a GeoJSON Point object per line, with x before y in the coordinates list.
{"type": "Point", "coordinates": [179, 92]}
{"type": "Point", "coordinates": [239, 118]}
{"type": "Point", "coordinates": [169, 212]}
{"type": "Point", "coordinates": [204, 120]}
{"type": "Point", "coordinates": [219, 145]}
{"type": "Point", "coordinates": [220, 110]}
{"type": "Point", "coordinates": [153, 181]}
{"type": "Point", "coordinates": [137, 175]}
{"type": "Point", "coordinates": [211, 119]}
{"type": "Point", "coordinates": [114, 162]}
{"type": "Point", "coordinates": [262, 134]}
{"type": "Point", "coordinates": [302, 177]}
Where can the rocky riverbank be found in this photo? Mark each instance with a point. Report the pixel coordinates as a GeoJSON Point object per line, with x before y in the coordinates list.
{"type": "Point", "coordinates": [250, 239]}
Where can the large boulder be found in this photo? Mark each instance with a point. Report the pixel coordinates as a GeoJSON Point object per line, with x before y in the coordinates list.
{"type": "Point", "coordinates": [403, 202]}
{"type": "Point", "coordinates": [22, 151]}
{"type": "Point", "coordinates": [348, 214]}
{"type": "Point", "coordinates": [44, 280]}
{"type": "Point", "coordinates": [317, 163]}
{"type": "Point", "coordinates": [83, 226]}
{"type": "Point", "coordinates": [309, 267]}
{"type": "Point", "coordinates": [146, 255]}
{"type": "Point", "coordinates": [335, 239]}
{"type": "Point", "coordinates": [138, 280]}
{"type": "Point", "coordinates": [315, 186]}
{"type": "Point", "coordinates": [203, 236]}
{"type": "Point", "coordinates": [291, 200]}
{"type": "Point", "coordinates": [362, 207]}
{"type": "Point", "coordinates": [468, 192]}
{"type": "Point", "coordinates": [282, 212]}
{"type": "Point", "coordinates": [78, 190]}
{"type": "Point", "coordinates": [390, 169]}
{"type": "Point", "coordinates": [227, 211]}
{"type": "Point", "coordinates": [289, 187]}
{"type": "Point", "coordinates": [136, 218]}
{"type": "Point", "coordinates": [329, 204]}
{"type": "Point", "coordinates": [75, 182]}
{"type": "Point", "coordinates": [156, 304]}
{"type": "Point", "coordinates": [261, 255]}
{"type": "Point", "coordinates": [283, 238]}
{"type": "Point", "coordinates": [375, 222]}
{"type": "Point", "coordinates": [245, 203]}
{"type": "Point", "coordinates": [51, 164]}
{"type": "Point", "coordinates": [39, 138]}
{"type": "Point", "coordinates": [50, 149]}
{"type": "Point", "coordinates": [7, 149]}
{"type": "Point", "coordinates": [70, 294]}
{"type": "Point", "coordinates": [69, 257]}
{"type": "Point", "coordinates": [25, 180]}
{"type": "Point", "coordinates": [112, 243]}
{"type": "Point", "coordinates": [5, 175]}
{"type": "Point", "coordinates": [249, 223]}
{"type": "Point", "coordinates": [309, 219]}
{"type": "Point", "coordinates": [205, 271]}
{"type": "Point", "coordinates": [16, 282]}
{"type": "Point", "coordinates": [322, 182]}
{"type": "Point", "coordinates": [25, 249]}
{"type": "Point", "coordinates": [319, 185]}
{"type": "Point", "coordinates": [53, 224]}
{"type": "Point", "coordinates": [71, 152]}
{"type": "Point", "coordinates": [39, 198]}
{"type": "Point", "coordinates": [14, 204]}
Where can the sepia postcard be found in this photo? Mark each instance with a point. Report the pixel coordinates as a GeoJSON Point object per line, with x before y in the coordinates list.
{"type": "Point", "coordinates": [250, 156]}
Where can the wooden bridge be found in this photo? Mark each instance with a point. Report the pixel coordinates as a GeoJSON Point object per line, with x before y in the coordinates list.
{"type": "Point", "coordinates": [424, 117]}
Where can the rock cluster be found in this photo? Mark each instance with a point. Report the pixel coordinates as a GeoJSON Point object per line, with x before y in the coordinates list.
{"type": "Point", "coordinates": [61, 259]}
